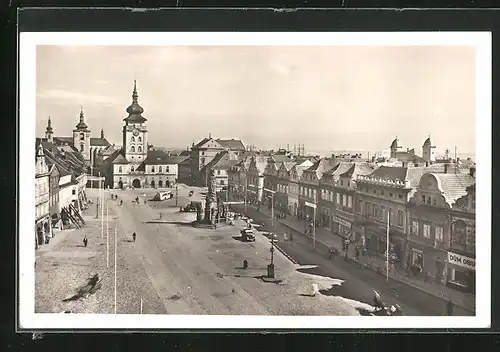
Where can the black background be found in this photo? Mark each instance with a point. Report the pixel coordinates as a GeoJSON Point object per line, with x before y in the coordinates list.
{"type": "Point", "coordinates": [473, 16]}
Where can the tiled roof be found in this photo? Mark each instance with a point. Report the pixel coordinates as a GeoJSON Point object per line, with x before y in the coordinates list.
{"type": "Point", "coordinates": [201, 143]}
{"type": "Point", "coordinates": [390, 173]}
{"type": "Point", "coordinates": [321, 166]}
{"type": "Point", "coordinates": [288, 165]}
{"type": "Point", "coordinates": [99, 142]}
{"type": "Point", "coordinates": [159, 157]}
{"type": "Point", "coordinates": [358, 169]}
{"type": "Point", "coordinates": [185, 153]}
{"type": "Point", "coordinates": [232, 144]}
{"type": "Point", "coordinates": [260, 163]}
{"type": "Point", "coordinates": [63, 140]}
{"type": "Point", "coordinates": [109, 150]}
{"type": "Point", "coordinates": [120, 159]}
{"type": "Point", "coordinates": [454, 186]}
{"type": "Point", "coordinates": [281, 158]}
{"type": "Point", "coordinates": [216, 160]}
{"type": "Point", "coordinates": [338, 170]}
{"type": "Point", "coordinates": [66, 162]}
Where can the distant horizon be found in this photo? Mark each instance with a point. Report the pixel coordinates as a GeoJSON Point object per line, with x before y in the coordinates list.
{"type": "Point", "coordinates": [326, 97]}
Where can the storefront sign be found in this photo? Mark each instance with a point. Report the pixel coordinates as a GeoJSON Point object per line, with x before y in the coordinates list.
{"type": "Point", "coordinates": [342, 221]}
{"type": "Point", "coordinates": [462, 261]}
{"type": "Point", "coordinates": [310, 205]}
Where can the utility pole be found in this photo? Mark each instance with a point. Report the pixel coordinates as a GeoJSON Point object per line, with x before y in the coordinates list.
{"type": "Point", "coordinates": [176, 194]}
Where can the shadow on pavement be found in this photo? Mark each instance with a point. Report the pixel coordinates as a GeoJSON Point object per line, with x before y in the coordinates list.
{"type": "Point", "coordinates": [238, 238]}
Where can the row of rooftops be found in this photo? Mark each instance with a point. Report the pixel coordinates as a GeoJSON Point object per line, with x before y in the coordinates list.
{"type": "Point", "coordinates": [66, 159]}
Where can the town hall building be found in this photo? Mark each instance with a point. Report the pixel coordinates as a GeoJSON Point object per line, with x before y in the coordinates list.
{"type": "Point", "coordinates": [138, 164]}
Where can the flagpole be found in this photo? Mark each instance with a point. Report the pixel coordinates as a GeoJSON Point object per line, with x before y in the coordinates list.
{"type": "Point", "coordinates": [115, 262]}
{"type": "Point", "coordinates": [387, 251]}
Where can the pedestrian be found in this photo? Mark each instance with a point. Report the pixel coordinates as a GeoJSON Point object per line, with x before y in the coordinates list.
{"type": "Point", "coordinates": [85, 241]}
{"type": "Point", "coordinates": [133, 236]}
{"type": "Point", "coordinates": [121, 202]}
{"type": "Point", "coordinates": [331, 251]}
{"type": "Point", "coordinates": [285, 236]}
{"type": "Point", "coordinates": [449, 308]}
{"type": "Point", "coordinates": [291, 237]}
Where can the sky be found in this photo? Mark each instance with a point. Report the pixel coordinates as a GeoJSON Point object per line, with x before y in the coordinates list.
{"type": "Point", "coordinates": [325, 97]}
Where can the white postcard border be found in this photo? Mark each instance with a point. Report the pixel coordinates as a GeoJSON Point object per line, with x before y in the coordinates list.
{"type": "Point", "coordinates": [28, 319]}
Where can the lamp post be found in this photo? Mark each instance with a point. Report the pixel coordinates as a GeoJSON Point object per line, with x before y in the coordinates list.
{"type": "Point", "coordinates": [272, 205]}
{"type": "Point", "coordinates": [176, 194]}
{"type": "Point", "coordinates": [270, 267]}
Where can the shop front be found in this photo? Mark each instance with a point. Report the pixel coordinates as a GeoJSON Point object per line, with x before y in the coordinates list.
{"type": "Point", "coordinates": [427, 263]}
{"type": "Point", "coordinates": [461, 272]}
{"type": "Point", "coordinates": [341, 226]}
{"type": "Point", "coordinates": [376, 243]}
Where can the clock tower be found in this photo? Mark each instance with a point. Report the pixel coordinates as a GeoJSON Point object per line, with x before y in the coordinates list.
{"type": "Point", "coordinates": [135, 132]}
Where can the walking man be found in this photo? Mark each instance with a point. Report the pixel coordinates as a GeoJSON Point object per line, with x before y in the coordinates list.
{"type": "Point", "coordinates": [133, 236]}
{"type": "Point", "coordinates": [85, 241]}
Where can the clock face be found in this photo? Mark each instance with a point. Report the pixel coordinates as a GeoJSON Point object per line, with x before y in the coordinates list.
{"type": "Point", "coordinates": [135, 132]}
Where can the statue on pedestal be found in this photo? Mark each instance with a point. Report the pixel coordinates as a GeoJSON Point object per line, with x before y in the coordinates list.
{"type": "Point", "coordinates": [211, 199]}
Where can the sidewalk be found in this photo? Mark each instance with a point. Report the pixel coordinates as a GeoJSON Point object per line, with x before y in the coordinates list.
{"type": "Point", "coordinates": [463, 300]}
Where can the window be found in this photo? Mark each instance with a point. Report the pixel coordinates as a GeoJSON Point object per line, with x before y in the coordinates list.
{"type": "Point", "coordinates": [139, 139]}
{"type": "Point", "coordinates": [390, 195]}
{"type": "Point", "coordinates": [429, 200]}
{"type": "Point", "coordinates": [375, 211]}
{"type": "Point", "coordinates": [427, 231]}
{"type": "Point", "coordinates": [132, 149]}
{"type": "Point", "coordinates": [349, 201]}
{"type": "Point", "coordinates": [73, 191]}
{"type": "Point", "coordinates": [82, 136]}
{"type": "Point", "coordinates": [132, 139]}
{"type": "Point", "coordinates": [400, 196]}
{"type": "Point", "coordinates": [159, 168]}
{"type": "Point", "coordinates": [414, 227]}
{"type": "Point", "coordinates": [434, 201]}
{"type": "Point", "coordinates": [423, 199]}
{"type": "Point", "coordinates": [314, 193]}
{"type": "Point", "coordinates": [218, 172]}
{"type": "Point", "coordinates": [202, 153]}
{"type": "Point", "coordinates": [344, 200]}
{"type": "Point", "coordinates": [120, 169]}
{"type": "Point", "coordinates": [382, 211]}
{"type": "Point", "coordinates": [132, 168]}
{"type": "Point", "coordinates": [139, 149]}
{"type": "Point", "coordinates": [221, 182]}
{"type": "Point", "coordinates": [82, 147]}
{"type": "Point", "coordinates": [152, 169]}
{"type": "Point", "coordinates": [439, 234]}
{"type": "Point", "coordinates": [338, 198]}
{"type": "Point", "coordinates": [167, 169]}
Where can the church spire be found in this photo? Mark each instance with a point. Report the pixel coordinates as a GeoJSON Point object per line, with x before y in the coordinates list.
{"type": "Point", "coordinates": [49, 126]}
{"type": "Point", "coordinates": [135, 110]}
{"type": "Point", "coordinates": [49, 132]}
{"type": "Point", "coordinates": [82, 125]}
{"type": "Point", "coordinates": [134, 94]}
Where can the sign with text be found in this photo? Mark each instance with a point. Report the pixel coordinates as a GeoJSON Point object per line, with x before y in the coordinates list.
{"type": "Point", "coordinates": [342, 221]}
{"type": "Point", "coordinates": [312, 205]}
{"type": "Point", "coordinates": [462, 261]}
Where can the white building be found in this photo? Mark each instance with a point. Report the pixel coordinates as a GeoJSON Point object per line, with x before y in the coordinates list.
{"type": "Point", "coordinates": [42, 197]}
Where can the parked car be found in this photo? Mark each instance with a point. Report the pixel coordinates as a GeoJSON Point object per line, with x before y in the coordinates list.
{"type": "Point", "coordinates": [271, 235]}
{"type": "Point", "coordinates": [163, 195]}
{"type": "Point", "coordinates": [189, 208]}
{"type": "Point", "coordinates": [247, 235]}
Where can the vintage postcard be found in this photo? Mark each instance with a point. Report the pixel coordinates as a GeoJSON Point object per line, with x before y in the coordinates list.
{"type": "Point", "coordinates": [254, 180]}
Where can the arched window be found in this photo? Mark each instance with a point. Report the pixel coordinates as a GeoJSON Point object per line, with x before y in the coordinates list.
{"type": "Point", "coordinates": [132, 168]}
{"type": "Point", "coordinates": [139, 149]}
{"type": "Point", "coordinates": [82, 146]}
{"type": "Point", "coordinates": [139, 139]}
{"type": "Point", "coordinates": [120, 169]}
{"type": "Point", "coordinates": [159, 168]}
{"type": "Point", "coordinates": [132, 149]}
{"type": "Point", "coordinates": [133, 139]}
{"type": "Point", "coordinates": [82, 136]}
{"type": "Point", "coordinates": [152, 169]}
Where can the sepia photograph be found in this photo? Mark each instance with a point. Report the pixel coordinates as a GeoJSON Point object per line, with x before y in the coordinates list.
{"type": "Point", "coordinates": [254, 180]}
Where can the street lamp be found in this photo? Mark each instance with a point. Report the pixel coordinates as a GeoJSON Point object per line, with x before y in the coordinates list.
{"type": "Point", "coordinates": [272, 205]}
{"type": "Point", "coordinates": [312, 205]}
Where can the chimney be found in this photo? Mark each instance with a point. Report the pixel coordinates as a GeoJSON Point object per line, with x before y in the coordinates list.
{"type": "Point", "coordinates": [446, 168]}
{"type": "Point", "coordinates": [472, 171]}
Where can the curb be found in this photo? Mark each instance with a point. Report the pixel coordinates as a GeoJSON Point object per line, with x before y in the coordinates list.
{"type": "Point", "coordinates": [468, 309]}
{"type": "Point", "coordinates": [285, 254]}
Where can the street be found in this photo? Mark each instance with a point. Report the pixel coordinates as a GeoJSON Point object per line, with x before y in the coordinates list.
{"type": "Point", "coordinates": [359, 281]}
{"type": "Point", "coordinates": [175, 268]}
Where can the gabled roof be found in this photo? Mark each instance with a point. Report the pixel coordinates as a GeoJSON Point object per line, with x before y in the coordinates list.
{"type": "Point", "coordinates": [160, 157]}
{"type": "Point", "coordinates": [281, 158]}
{"type": "Point", "coordinates": [99, 142]}
{"type": "Point", "coordinates": [67, 162]}
{"type": "Point", "coordinates": [358, 169]}
{"type": "Point", "coordinates": [205, 141]}
{"type": "Point", "coordinates": [120, 159]}
{"type": "Point", "coordinates": [232, 144]}
{"type": "Point", "coordinates": [260, 163]}
{"type": "Point", "coordinates": [211, 165]}
{"type": "Point", "coordinates": [411, 174]}
{"type": "Point", "coordinates": [288, 165]}
{"type": "Point", "coordinates": [63, 140]}
{"type": "Point", "coordinates": [338, 170]}
{"type": "Point", "coordinates": [454, 186]}
{"type": "Point", "coordinates": [322, 165]}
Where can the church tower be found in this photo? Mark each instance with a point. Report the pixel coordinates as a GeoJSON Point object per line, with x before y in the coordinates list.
{"type": "Point", "coordinates": [49, 132]}
{"type": "Point", "coordinates": [428, 151]}
{"type": "Point", "coordinates": [135, 132]}
{"type": "Point", "coordinates": [81, 138]}
{"type": "Point", "coordinates": [395, 148]}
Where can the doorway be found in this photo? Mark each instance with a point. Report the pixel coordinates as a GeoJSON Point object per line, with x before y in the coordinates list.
{"type": "Point", "coordinates": [168, 184]}
{"type": "Point", "coordinates": [120, 184]}
{"type": "Point", "coordinates": [160, 184]}
{"type": "Point", "coordinates": [136, 183]}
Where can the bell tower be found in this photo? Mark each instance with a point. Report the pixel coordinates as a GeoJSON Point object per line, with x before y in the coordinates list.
{"type": "Point", "coordinates": [428, 151]}
{"type": "Point", "coordinates": [135, 131]}
{"type": "Point", "coordinates": [81, 138]}
{"type": "Point", "coordinates": [49, 132]}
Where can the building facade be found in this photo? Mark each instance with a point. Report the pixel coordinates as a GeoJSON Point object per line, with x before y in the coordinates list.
{"type": "Point", "coordinates": [43, 228]}
{"type": "Point", "coordinates": [296, 173]}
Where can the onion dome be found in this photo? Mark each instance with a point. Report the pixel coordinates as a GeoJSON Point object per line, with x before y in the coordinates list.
{"type": "Point", "coordinates": [135, 110]}
{"type": "Point", "coordinates": [82, 125]}
{"type": "Point", "coordinates": [395, 144]}
{"type": "Point", "coordinates": [49, 127]}
{"type": "Point", "coordinates": [427, 142]}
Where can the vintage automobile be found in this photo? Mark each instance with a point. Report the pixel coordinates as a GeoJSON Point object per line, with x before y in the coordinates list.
{"type": "Point", "coordinates": [189, 208]}
{"type": "Point", "coordinates": [247, 235]}
{"type": "Point", "coordinates": [163, 196]}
